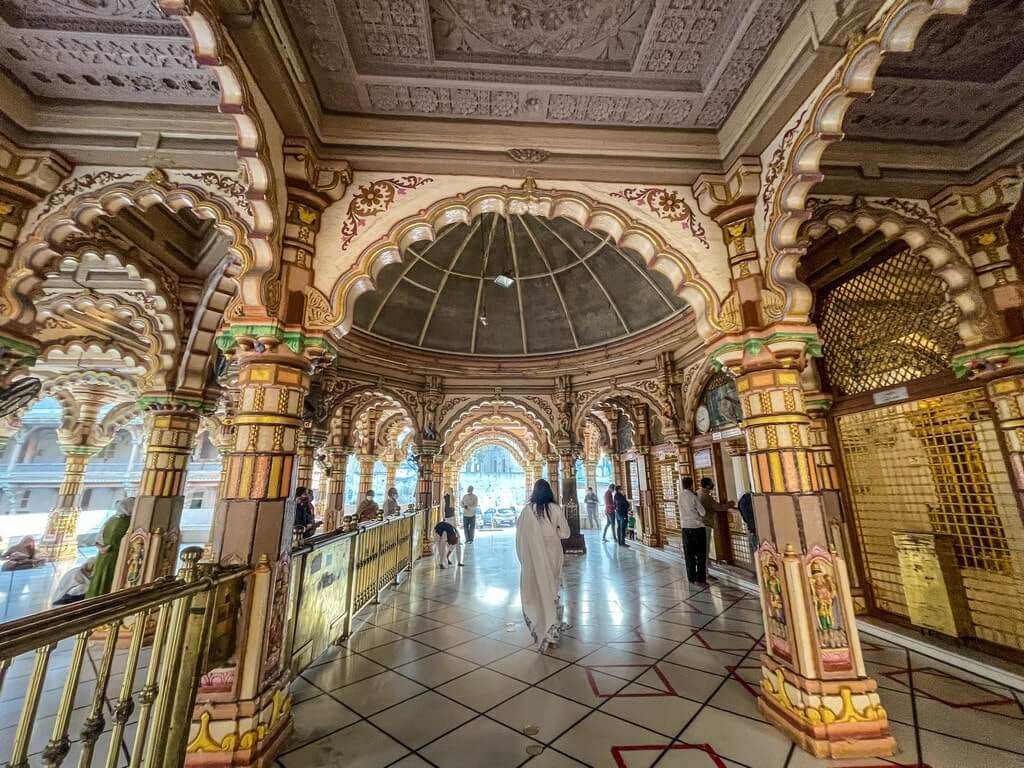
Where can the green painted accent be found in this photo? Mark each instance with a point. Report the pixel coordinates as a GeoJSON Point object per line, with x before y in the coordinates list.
{"type": "Point", "coordinates": [962, 364]}
{"type": "Point", "coordinates": [753, 346]}
{"type": "Point", "coordinates": [176, 401]}
{"type": "Point", "coordinates": [296, 341]}
{"type": "Point", "coordinates": [27, 353]}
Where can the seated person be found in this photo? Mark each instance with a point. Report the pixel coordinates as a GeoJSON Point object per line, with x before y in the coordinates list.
{"type": "Point", "coordinates": [71, 588]}
{"type": "Point", "coordinates": [368, 510]}
{"type": "Point", "coordinates": [22, 556]}
{"type": "Point", "coordinates": [446, 538]}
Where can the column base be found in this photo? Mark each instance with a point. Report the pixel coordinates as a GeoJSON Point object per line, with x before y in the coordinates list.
{"type": "Point", "coordinates": [650, 540]}
{"type": "Point", "coordinates": [247, 733]}
{"type": "Point", "coordinates": [828, 718]}
{"type": "Point", "coordinates": [575, 544]}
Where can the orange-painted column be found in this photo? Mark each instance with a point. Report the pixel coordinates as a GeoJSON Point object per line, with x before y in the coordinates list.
{"type": "Point", "coordinates": [814, 685]}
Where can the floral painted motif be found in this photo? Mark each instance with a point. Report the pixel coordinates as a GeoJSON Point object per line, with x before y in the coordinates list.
{"type": "Point", "coordinates": [373, 199]}
{"type": "Point", "coordinates": [80, 184]}
{"type": "Point", "coordinates": [666, 205]}
{"type": "Point", "coordinates": [779, 160]}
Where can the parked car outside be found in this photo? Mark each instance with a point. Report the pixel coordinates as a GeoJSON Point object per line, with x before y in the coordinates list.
{"type": "Point", "coordinates": [488, 518]}
{"type": "Point", "coordinates": [505, 518]}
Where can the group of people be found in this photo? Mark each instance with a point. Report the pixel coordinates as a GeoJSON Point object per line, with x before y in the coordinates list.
{"type": "Point", "coordinates": [446, 533]}
{"type": "Point", "coordinates": [616, 513]}
{"type": "Point", "coordinates": [698, 516]}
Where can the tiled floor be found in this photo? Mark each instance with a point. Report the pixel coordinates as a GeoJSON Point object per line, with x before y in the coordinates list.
{"type": "Point", "coordinates": [653, 672]}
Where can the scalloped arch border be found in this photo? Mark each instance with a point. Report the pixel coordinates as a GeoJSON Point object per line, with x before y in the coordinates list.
{"type": "Point", "coordinates": [948, 263]}
{"type": "Point", "coordinates": [533, 419]}
{"type": "Point", "coordinates": [588, 213]}
{"type": "Point", "coordinates": [895, 30]}
{"type": "Point", "coordinates": [212, 49]}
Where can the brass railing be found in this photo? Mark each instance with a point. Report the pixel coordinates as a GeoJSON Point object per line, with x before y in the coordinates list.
{"type": "Point", "coordinates": [51, 660]}
{"type": "Point", "coordinates": [335, 575]}
{"type": "Point", "coordinates": [82, 672]}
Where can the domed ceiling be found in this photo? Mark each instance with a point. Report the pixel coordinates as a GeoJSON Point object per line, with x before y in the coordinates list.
{"type": "Point", "coordinates": [571, 289]}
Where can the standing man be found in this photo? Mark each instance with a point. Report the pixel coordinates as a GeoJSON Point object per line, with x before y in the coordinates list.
{"type": "Point", "coordinates": [470, 505]}
{"type": "Point", "coordinates": [621, 516]}
{"type": "Point", "coordinates": [712, 507]}
{"type": "Point", "coordinates": [746, 507]}
{"type": "Point", "coordinates": [609, 512]}
{"type": "Point", "coordinates": [695, 534]}
{"type": "Point", "coordinates": [591, 501]}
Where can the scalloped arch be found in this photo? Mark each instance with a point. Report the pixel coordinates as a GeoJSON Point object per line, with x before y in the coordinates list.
{"type": "Point", "coordinates": [488, 438]}
{"type": "Point", "coordinates": [213, 49]}
{"type": "Point", "coordinates": [619, 390]}
{"type": "Point", "coordinates": [41, 245]}
{"type": "Point", "coordinates": [534, 419]}
{"type": "Point", "coordinates": [588, 213]}
{"type": "Point", "coordinates": [392, 396]}
{"type": "Point", "coordinates": [944, 256]}
{"type": "Point", "coordinates": [894, 30]}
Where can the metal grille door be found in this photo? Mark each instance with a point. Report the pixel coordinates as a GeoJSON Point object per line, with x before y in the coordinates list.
{"type": "Point", "coordinates": [936, 465]}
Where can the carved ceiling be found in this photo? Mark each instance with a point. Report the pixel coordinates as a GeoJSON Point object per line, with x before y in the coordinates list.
{"type": "Point", "coordinates": [964, 73]}
{"type": "Point", "coordinates": [572, 289]}
{"type": "Point", "coordinates": [102, 50]}
{"type": "Point", "coordinates": [678, 63]}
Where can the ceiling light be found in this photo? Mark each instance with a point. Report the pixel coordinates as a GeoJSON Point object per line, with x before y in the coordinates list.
{"type": "Point", "coordinates": [505, 279]}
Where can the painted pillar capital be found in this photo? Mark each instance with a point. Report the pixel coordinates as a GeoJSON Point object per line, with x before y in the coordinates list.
{"type": "Point", "coordinates": [983, 216]}
{"type": "Point", "coordinates": [779, 346]}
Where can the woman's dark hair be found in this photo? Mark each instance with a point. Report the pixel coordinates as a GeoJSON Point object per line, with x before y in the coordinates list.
{"type": "Point", "coordinates": [300, 490]}
{"type": "Point", "coordinates": [542, 497]}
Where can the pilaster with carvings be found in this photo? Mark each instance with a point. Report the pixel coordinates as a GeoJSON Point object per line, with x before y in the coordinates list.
{"type": "Point", "coordinates": [814, 684]}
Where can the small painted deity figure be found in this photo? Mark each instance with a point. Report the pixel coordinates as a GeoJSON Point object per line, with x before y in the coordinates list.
{"type": "Point", "coordinates": [773, 588]}
{"type": "Point", "coordinates": [824, 589]}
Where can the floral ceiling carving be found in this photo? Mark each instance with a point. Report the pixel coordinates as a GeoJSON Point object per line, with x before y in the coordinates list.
{"type": "Point", "coordinates": [677, 63]}
{"type": "Point", "coordinates": [102, 50]}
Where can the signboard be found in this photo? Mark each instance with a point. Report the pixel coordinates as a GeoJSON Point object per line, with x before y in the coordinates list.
{"type": "Point", "coordinates": [896, 395]}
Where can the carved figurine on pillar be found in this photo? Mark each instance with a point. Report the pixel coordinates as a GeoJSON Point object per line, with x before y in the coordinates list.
{"type": "Point", "coordinates": [814, 684]}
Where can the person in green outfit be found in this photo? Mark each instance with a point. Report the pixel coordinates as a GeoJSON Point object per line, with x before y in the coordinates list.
{"type": "Point", "coordinates": [109, 541]}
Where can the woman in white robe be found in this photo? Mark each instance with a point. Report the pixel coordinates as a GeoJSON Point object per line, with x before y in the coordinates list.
{"type": "Point", "coordinates": [539, 533]}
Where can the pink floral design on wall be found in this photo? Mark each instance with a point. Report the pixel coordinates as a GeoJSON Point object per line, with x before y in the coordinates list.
{"type": "Point", "coordinates": [374, 199]}
{"type": "Point", "coordinates": [666, 205]}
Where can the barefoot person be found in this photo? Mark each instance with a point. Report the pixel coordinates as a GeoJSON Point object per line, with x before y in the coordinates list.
{"type": "Point", "coordinates": [539, 534]}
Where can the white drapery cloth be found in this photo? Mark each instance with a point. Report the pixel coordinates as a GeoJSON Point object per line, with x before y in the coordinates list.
{"type": "Point", "coordinates": [539, 549]}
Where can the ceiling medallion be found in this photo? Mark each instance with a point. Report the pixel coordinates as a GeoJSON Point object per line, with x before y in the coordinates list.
{"type": "Point", "coordinates": [528, 154]}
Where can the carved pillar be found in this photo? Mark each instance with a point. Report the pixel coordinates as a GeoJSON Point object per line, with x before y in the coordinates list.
{"type": "Point", "coordinates": [814, 683]}
{"type": "Point", "coordinates": [253, 526]}
{"type": "Point", "coordinates": [391, 469]}
{"type": "Point", "coordinates": [425, 498]}
{"type": "Point", "coordinates": [307, 452]}
{"type": "Point", "coordinates": [590, 473]}
{"type": "Point", "coordinates": [575, 544]}
{"type": "Point", "coordinates": [438, 492]}
{"type": "Point", "coordinates": [334, 508]}
{"type": "Point", "coordinates": [1007, 396]}
{"type": "Point", "coordinates": [365, 474]}
{"type": "Point", "coordinates": [150, 549]}
{"type": "Point", "coordinates": [553, 475]}
{"type": "Point", "coordinates": [80, 437]}
{"type": "Point", "coordinates": [60, 539]}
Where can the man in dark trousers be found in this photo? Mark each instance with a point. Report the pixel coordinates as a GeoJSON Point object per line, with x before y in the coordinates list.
{"type": "Point", "coordinates": [621, 516]}
{"type": "Point", "coordinates": [609, 512]}
{"type": "Point", "coordinates": [695, 534]}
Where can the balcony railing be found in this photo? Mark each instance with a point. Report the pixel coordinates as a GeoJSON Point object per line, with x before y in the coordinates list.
{"type": "Point", "coordinates": [334, 576]}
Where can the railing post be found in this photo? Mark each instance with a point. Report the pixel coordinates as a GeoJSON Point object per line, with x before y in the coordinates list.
{"type": "Point", "coordinates": [379, 559]}
{"type": "Point", "coordinates": [352, 562]}
{"type": "Point", "coordinates": [295, 587]}
{"type": "Point", "coordinates": [179, 681]}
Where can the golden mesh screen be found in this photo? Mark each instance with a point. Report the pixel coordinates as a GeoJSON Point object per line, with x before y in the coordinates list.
{"type": "Point", "coordinates": [936, 465]}
{"type": "Point", "coordinates": [739, 541]}
{"type": "Point", "coordinates": [887, 325]}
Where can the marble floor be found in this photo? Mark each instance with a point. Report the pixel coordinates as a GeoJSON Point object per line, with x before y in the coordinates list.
{"type": "Point", "coordinates": [653, 672]}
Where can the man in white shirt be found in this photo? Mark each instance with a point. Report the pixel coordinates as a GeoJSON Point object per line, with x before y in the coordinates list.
{"type": "Point", "coordinates": [695, 534]}
{"type": "Point", "coordinates": [470, 505]}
